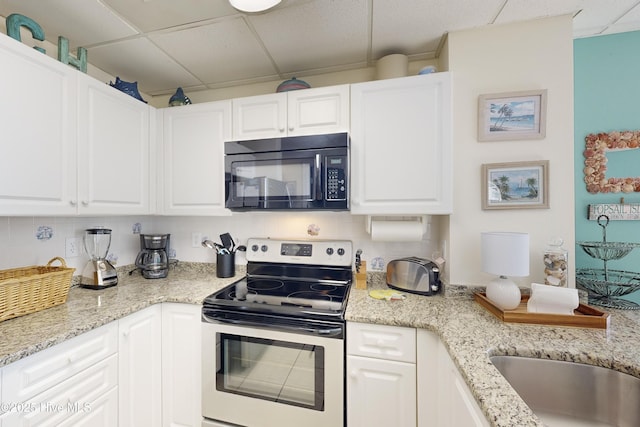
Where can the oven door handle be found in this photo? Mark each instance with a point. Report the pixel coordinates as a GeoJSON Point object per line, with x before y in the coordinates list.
{"type": "Point", "coordinates": [328, 331]}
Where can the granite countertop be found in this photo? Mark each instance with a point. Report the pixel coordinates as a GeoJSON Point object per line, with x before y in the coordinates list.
{"type": "Point", "coordinates": [472, 335]}
{"type": "Point", "coordinates": [87, 309]}
{"type": "Point", "coordinates": [469, 332]}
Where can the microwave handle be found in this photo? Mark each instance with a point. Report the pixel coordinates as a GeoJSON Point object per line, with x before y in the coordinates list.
{"type": "Point", "coordinates": [316, 182]}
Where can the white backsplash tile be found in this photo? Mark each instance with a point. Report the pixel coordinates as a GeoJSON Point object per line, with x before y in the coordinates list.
{"type": "Point", "coordinates": [19, 245]}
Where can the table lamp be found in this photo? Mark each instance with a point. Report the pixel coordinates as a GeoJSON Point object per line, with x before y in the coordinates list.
{"type": "Point", "coordinates": [505, 254]}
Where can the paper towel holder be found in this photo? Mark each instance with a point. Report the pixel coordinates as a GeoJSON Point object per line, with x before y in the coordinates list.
{"type": "Point", "coordinates": [422, 219]}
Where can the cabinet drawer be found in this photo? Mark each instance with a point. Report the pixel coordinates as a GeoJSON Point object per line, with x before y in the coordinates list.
{"type": "Point", "coordinates": [34, 374]}
{"type": "Point", "coordinates": [73, 397]}
{"type": "Point", "coordinates": [381, 342]}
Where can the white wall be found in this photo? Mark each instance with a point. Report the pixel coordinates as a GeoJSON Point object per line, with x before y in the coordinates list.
{"type": "Point", "coordinates": [523, 56]}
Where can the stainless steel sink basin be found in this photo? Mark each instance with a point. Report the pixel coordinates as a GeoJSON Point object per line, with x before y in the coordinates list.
{"type": "Point", "coordinates": [573, 394]}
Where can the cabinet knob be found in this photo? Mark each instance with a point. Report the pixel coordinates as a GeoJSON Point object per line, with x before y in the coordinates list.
{"type": "Point", "coordinates": [291, 128]}
{"type": "Point", "coordinates": [281, 130]}
{"type": "Point", "coordinates": [85, 203]}
{"type": "Point", "coordinates": [73, 203]}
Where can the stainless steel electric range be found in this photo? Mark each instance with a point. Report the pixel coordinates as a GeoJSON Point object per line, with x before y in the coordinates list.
{"type": "Point", "coordinates": [273, 342]}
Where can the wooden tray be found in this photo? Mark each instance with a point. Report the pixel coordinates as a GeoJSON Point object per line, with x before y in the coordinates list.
{"type": "Point", "coordinates": [584, 316]}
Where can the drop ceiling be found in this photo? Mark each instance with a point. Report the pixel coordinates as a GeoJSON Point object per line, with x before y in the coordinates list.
{"type": "Point", "coordinates": [207, 44]}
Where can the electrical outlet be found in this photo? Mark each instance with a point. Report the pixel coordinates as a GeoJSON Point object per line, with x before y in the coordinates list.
{"type": "Point", "coordinates": [196, 240]}
{"type": "Point", "coordinates": [72, 247]}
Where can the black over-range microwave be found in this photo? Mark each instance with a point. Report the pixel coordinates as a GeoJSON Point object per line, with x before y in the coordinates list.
{"type": "Point", "coordinates": [299, 172]}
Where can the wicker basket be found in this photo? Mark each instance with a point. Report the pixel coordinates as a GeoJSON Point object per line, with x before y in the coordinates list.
{"type": "Point", "coordinates": [29, 289]}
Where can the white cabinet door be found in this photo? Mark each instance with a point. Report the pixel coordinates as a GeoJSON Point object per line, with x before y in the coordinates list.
{"type": "Point", "coordinates": [380, 393]}
{"type": "Point", "coordinates": [263, 116]}
{"type": "Point", "coordinates": [114, 151]}
{"type": "Point", "coordinates": [457, 406]}
{"type": "Point", "coordinates": [295, 113]}
{"type": "Point", "coordinates": [381, 375]}
{"type": "Point", "coordinates": [401, 152]}
{"type": "Point", "coordinates": [139, 381]}
{"type": "Point", "coordinates": [444, 399]}
{"type": "Point", "coordinates": [193, 158]}
{"type": "Point", "coordinates": [37, 124]}
{"type": "Point", "coordinates": [181, 365]}
{"type": "Point", "coordinates": [318, 110]}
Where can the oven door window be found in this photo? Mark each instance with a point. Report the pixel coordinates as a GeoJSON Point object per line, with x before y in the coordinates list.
{"type": "Point", "coordinates": [275, 180]}
{"type": "Point", "coordinates": [278, 371]}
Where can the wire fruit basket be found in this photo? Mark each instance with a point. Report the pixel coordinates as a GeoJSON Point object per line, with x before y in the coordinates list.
{"type": "Point", "coordinates": [27, 290]}
{"type": "Point", "coordinates": [605, 287]}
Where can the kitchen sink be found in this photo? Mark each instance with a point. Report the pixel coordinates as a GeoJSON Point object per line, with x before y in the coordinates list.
{"type": "Point", "coordinates": [573, 394]}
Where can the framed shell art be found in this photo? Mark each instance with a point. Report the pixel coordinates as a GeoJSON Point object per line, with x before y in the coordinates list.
{"type": "Point", "coordinates": [512, 116]}
{"type": "Point", "coordinates": [515, 185]}
{"type": "Point", "coordinates": [597, 145]}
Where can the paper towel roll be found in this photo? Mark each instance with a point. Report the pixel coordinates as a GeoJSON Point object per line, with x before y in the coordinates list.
{"type": "Point", "coordinates": [551, 299]}
{"type": "Point", "coordinates": [396, 231]}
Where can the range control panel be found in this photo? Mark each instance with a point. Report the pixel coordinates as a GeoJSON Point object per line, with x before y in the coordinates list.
{"type": "Point", "coordinates": [317, 252]}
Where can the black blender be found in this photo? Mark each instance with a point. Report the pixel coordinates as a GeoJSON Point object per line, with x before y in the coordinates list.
{"type": "Point", "coordinates": [98, 273]}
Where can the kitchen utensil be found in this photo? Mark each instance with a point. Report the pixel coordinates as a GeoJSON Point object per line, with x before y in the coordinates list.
{"type": "Point", "coordinates": [209, 244]}
{"type": "Point", "coordinates": [227, 241]}
{"type": "Point", "coordinates": [241, 248]}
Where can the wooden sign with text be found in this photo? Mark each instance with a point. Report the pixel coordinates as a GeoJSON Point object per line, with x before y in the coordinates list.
{"type": "Point", "coordinates": [615, 211]}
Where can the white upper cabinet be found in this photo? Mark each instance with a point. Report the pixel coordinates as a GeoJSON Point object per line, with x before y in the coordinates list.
{"type": "Point", "coordinates": [38, 128]}
{"type": "Point", "coordinates": [192, 176]}
{"type": "Point", "coordinates": [401, 146]}
{"type": "Point", "coordinates": [71, 144]}
{"type": "Point", "coordinates": [114, 151]}
{"type": "Point", "coordinates": [295, 113]}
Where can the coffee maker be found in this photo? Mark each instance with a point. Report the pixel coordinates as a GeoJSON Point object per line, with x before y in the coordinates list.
{"type": "Point", "coordinates": [153, 259]}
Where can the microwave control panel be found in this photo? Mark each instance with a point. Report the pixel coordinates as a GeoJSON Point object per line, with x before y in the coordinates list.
{"type": "Point", "coordinates": [336, 178]}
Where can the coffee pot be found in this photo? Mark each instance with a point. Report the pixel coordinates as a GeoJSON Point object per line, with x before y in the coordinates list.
{"type": "Point", "coordinates": [152, 259]}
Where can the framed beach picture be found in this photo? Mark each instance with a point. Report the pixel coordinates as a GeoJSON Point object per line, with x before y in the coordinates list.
{"type": "Point", "coordinates": [516, 185]}
{"type": "Point", "coordinates": [512, 116]}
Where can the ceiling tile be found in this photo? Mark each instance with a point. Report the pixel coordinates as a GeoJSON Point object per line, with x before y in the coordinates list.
{"type": "Point", "coordinates": [140, 60]}
{"type": "Point", "coordinates": [315, 34]}
{"type": "Point", "coordinates": [82, 22]}
{"type": "Point", "coordinates": [151, 15]}
{"type": "Point", "coordinates": [628, 22]}
{"type": "Point", "coordinates": [416, 26]}
{"type": "Point", "coordinates": [522, 10]}
{"type": "Point", "coordinates": [223, 51]}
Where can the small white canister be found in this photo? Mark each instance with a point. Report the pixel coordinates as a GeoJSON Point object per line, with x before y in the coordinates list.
{"type": "Point", "coordinates": [392, 66]}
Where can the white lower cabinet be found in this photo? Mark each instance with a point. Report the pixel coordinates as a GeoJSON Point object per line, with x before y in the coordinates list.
{"type": "Point", "coordinates": [142, 370]}
{"type": "Point", "coordinates": [181, 365]}
{"type": "Point", "coordinates": [65, 382]}
{"type": "Point", "coordinates": [444, 399]}
{"type": "Point", "coordinates": [140, 395]}
{"type": "Point", "coordinates": [381, 376]}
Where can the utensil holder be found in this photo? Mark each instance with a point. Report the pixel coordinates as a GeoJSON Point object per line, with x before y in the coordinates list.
{"type": "Point", "coordinates": [226, 265]}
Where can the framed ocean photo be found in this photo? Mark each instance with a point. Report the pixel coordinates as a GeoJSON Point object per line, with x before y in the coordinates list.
{"type": "Point", "coordinates": [512, 116]}
{"type": "Point", "coordinates": [515, 185]}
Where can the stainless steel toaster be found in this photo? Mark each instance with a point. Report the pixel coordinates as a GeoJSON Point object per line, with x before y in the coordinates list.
{"type": "Point", "coordinates": [414, 275]}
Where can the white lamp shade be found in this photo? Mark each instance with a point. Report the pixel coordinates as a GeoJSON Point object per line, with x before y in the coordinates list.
{"type": "Point", "coordinates": [253, 5]}
{"type": "Point", "coordinates": [505, 253]}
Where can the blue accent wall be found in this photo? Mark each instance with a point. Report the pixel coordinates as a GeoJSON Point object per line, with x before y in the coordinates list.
{"type": "Point", "coordinates": [607, 98]}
